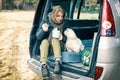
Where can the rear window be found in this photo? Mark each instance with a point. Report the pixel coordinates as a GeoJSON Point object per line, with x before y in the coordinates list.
{"type": "Point", "coordinates": [89, 10]}
{"type": "Point", "coordinates": [117, 6]}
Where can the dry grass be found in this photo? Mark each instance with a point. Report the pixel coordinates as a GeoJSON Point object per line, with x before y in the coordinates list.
{"type": "Point", "coordinates": [14, 39]}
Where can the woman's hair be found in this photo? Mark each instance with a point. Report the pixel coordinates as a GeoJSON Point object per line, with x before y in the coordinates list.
{"type": "Point", "coordinates": [56, 9]}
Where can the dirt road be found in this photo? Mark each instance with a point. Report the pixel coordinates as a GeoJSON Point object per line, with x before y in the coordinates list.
{"type": "Point", "coordinates": [14, 42]}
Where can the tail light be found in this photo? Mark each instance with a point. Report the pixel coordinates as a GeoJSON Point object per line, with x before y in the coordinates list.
{"type": "Point", "coordinates": [107, 25]}
{"type": "Point", "coordinates": [98, 72]}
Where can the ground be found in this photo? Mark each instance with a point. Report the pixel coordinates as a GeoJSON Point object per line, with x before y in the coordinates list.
{"type": "Point", "coordinates": [15, 28]}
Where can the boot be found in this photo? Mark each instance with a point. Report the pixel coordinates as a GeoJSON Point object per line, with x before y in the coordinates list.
{"type": "Point", "coordinates": [44, 70]}
{"type": "Point", "coordinates": [57, 69]}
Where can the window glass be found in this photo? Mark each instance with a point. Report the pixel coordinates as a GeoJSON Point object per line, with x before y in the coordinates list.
{"type": "Point", "coordinates": [89, 10]}
{"type": "Point", "coordinates": [117, 5]}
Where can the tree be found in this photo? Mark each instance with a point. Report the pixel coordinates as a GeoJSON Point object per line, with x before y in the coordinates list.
{"type": "Point", "coordinates": [17, 4]}
{"type": "Point", "coordinates": [0, 5]}
{"type": "Point", "coordinates": [7, 4]}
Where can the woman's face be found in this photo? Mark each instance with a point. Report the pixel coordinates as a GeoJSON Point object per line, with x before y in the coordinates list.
{"type": "Point", "coordinates": [59, 17]}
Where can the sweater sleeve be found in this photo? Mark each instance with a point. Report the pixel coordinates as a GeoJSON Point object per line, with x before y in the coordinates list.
{"type": "Point", "coordinates": [40, 34]}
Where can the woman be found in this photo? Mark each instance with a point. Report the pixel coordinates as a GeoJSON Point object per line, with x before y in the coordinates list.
{"type": "Point", "coordinates": [50, 33]}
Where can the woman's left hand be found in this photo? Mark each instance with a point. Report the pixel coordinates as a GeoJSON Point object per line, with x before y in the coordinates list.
{"type": "Point", "coordinates": [60, 36]}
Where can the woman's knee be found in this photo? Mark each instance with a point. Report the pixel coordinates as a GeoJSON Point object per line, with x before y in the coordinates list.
{"type": "Point", "coordinates": [45, 42]}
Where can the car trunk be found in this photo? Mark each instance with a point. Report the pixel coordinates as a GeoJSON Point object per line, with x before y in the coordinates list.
{"type": "Point", "coordinates": [85, 30]}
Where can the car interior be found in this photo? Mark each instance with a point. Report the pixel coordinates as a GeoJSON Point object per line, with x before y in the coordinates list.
{"type": "Point", "coordinates": [83, 27]}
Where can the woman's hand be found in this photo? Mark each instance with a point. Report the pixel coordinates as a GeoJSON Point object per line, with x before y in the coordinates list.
{"type": "Point", "coordinates": [45, 27]}
{"type": "Point", "coordinates": [60, 36]}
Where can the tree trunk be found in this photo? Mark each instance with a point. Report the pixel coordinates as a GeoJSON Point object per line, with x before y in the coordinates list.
{"type": "Point", "coordinates": [0, 5]}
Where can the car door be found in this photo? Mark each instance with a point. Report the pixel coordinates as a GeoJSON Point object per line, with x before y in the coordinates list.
{"type": "Point", "coordinates": [36, 21]}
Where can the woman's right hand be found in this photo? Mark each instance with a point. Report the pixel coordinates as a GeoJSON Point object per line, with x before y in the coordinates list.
{"type": "Point", "coordinates": [45, 27]}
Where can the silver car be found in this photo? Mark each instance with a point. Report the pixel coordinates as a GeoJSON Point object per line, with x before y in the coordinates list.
{"type": "Point", "coordinates": [97, 24]}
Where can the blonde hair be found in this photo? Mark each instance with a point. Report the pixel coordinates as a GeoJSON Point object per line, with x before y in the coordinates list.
{"type": "Point", "coordinates": [56, 9]}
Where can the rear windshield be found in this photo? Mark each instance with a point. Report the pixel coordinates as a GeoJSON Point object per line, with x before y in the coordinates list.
{"type": "Point", "coordinates": [117, 6]}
